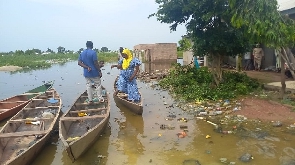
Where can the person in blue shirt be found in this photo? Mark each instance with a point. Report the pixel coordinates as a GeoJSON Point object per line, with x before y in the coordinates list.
{"type": "Point", "coordinates": [91, 71]}
{"type": "Point", "coordinates": [195, 62]}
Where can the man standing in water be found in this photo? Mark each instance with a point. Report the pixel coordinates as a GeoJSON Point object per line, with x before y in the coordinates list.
{"type": "Point", "coordinates": [92, 73]}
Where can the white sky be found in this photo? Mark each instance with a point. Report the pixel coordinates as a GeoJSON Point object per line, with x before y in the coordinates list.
{"type": "Point", "coordinates": [42, 24]}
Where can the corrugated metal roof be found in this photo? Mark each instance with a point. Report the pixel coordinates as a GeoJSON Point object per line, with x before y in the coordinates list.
{"type": "Point", "coordinates": [286, 4]}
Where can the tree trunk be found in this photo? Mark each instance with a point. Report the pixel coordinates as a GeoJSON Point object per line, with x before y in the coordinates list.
{"type": "Point", "coordinates": [283, 80]}
{"type": "Point", "coordinates": [290, 60]}
{"type": "Point", "coordinates": [238, 63]}
{"type": "Point", "coordinates": [216, 68]}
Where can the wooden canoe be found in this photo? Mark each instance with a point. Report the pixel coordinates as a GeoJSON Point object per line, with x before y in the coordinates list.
{"type": "Point", "coordinates": [82, 124]}
{"type": "Point", "coordinates": [27, 132]}
{"type": "Point", "coordinates": [12, 105]}
{"type": "Point", "coordinates": [135, 107]}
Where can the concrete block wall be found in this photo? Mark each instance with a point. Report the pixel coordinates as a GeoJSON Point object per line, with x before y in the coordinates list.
{"type": "Point", "coordinates": [158, 52]}
{"type": "Point", "coordinates": [164, 51]}
{"type": "Point", "coordinates": [187, 57]}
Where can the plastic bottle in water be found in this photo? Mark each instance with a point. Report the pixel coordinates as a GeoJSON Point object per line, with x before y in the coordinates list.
{"type": "Point", "coordinates": [227, 132]}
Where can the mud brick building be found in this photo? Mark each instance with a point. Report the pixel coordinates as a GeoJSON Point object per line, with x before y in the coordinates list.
{"type": "Point", "coordinates": [157, 52]}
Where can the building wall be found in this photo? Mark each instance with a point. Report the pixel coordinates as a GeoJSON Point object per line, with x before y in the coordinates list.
{"type": "Point", "coordinates": [154, 67]}
{"type": "Point", "coordinates": [158, 52]}
{"type": "Point", "coordinates": [187, 57]}
{"type": "Point", "coordinates": [269, 59]}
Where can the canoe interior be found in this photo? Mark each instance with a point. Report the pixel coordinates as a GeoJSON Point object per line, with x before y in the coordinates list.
{"type": "Point", "coordinates": [74, 128]}
{"type": "Point", "coordinates": [41, 88]}
{"type": "Point", "coordinates": [79, 128]}
{"type": "Point", "coordinates": [19, 134]}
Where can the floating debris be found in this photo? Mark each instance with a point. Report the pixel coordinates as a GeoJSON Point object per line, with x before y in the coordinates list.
{"type": "Point", "coordinates": [246, 157]}
{"type": "Point", "coordinates": [182, 119]}
{"type": "Point", "coordinates": [181, 134]}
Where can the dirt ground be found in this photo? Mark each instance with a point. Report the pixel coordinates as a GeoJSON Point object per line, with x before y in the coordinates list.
{"type": "Point", "coordinates": [266, 109]}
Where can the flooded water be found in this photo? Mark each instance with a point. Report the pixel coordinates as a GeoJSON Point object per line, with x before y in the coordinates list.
{"type": "Point", "coordinates": [142, 140]}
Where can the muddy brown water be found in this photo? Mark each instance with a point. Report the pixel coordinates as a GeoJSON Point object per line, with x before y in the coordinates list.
{"type": "Point", "coordinates": [142, 140]}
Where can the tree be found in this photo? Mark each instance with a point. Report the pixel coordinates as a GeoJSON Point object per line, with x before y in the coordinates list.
{"type": "Point", "coordinates": [184, 44]}
{"type": "Point", "coordinates": [207, 27]}
{"type": "Point", "coordinates": [61, 49]}
{"type": "Point", "coordinates": [37, 51]}
{"type": "Point", "coordinates": [49, 50]}
{"type": "Point", "coordinates": [104, 49]}
{"type": "Point", "coordinates": [80, 50]}
{"type": "Point", "coordinates": [29, 52]}
{"type": "Point", "coordinates": [262, 22]}
{"type": "Point", "coordinates": [96, 50]}
{"type": "Point", "coordinates": [19, 52]}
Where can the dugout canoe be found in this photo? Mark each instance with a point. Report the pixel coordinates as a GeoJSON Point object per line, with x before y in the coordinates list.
{"type": "Point", "coordinates": [23, 136]}
{"type": "Point", "coordinates": [135, 107]}
{"type": "Point", "coordinates": [83, 123]}
{"type": "Point", "coordinates": [12, 105]}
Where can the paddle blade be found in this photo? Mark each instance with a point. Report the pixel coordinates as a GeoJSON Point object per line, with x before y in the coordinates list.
{"type": "Point", "coordinates": [52, 101]}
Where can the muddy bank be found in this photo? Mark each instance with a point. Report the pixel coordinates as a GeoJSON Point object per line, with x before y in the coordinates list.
{"type": "Point", "coordinates": [10, 68]}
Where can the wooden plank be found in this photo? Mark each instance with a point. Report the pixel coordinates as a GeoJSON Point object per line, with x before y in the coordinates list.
{"type": "Point", "coordinates": [21, 120]}
{"type": "Point", "coordinates": [41, 107]}
{"type": "Point", "coordinates": [10, 102]}
{"type": "Point", "coordinates": [94, 103]}
{"type": "Point", "coordinates": [32, 93]}
{"type": "Point", "coordinates": [20, 134]}
{"type": "Point", "coordinates": [3, 110]}
{"type": "Point", "coordinates": [88, 110]}
{"type": "Point", "coordinates": [82, 118]}
{"type": "Point", "coordinates": [87, 97]}
{"type": "Point", "coordinates": [38, 99]}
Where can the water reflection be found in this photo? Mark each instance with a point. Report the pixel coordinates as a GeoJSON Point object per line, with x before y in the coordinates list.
{"type": "Point", "coordinates": [139, 140]}
{"type": "Point", "coordinates": [131, 130]}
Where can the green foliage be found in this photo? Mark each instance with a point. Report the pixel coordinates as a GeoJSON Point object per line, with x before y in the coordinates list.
{"type": "Point", "coordinates": [208, 25]}
{"type": "Point", "coordinates": [35, 61]}
{"type": "Point", "coordinates": [61, 49]}
{"type": "Point", "coordinates": [192, 84]}
{"type": "Point", "coordinates": [184, 44]}
{"type": "Point", "coordinates": [104, 49]}
{"type": "Point", "coordinates": [108, 56]}
{"type": "Point", "coordinates": [180, 54]}
{"type": "Point", "coordinates": [262, 22]}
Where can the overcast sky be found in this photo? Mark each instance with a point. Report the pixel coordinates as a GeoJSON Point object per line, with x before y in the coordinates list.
{"type": "Point", "coordinates": [42, 24]}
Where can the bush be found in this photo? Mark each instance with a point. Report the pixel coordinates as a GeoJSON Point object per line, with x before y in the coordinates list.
{"type": "Point", "coordinates": [191, 84]}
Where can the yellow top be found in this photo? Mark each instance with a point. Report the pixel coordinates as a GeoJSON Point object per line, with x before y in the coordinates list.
{"type": "Point", "coordinates": [126, 61]}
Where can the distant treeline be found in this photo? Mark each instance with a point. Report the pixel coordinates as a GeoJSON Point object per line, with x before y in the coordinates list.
{"type": "Point", "coordinates": [35, 60]}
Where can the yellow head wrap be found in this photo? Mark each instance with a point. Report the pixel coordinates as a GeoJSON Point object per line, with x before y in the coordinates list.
{"type": "Point", "coordinates": [126, 61]}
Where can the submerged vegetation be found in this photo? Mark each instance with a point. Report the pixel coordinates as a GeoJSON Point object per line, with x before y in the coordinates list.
{"type": "Point", "coordinates": [193, 84]}
{"type": "Point", "coordinates": [34, 61]}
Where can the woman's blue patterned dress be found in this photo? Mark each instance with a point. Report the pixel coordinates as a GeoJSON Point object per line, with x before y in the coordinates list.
{"type": "Point", "coordinates": [126, 86]}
